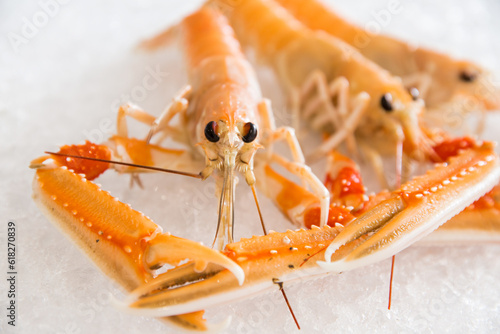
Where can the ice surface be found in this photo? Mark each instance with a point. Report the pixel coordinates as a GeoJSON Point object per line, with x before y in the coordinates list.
{"type": "Point", "coordinates": [63, 86]}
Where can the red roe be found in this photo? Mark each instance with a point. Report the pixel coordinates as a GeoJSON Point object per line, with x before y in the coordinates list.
{"type": "Point", "coordinates": [91, 169]}
{"type": "Point", "coordinates": [336, 215]}
{"type": "Point", "coordinates": [450, 148]}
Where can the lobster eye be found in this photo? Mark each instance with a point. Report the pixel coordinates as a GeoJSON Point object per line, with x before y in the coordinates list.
{"type": "Point", "coordinates": [386, 102]}
{"type": "Point", "coordinates": [467, 76]}
{"type": "Point", "coordinates": [250, 132]}
{"type": "Point", "coordinates": [211, 131]}
{"type": "Point", "coordinates": [414, 93]}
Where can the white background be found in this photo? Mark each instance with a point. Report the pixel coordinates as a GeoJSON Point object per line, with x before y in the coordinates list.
{"type": "Point", "coordinates": [64, 83]}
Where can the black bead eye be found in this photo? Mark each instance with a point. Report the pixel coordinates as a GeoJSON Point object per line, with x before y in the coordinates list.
{"type": "Point", "coordinates": [386, 102]}
{"type": "Point", "coordinates": [211, 131]}
{"type": "Point", "coordinates": [414, 93]}
{"type": "Point", "coordinates": [249, 132]}
{"type": "Point", "coordinates": [468, 76]}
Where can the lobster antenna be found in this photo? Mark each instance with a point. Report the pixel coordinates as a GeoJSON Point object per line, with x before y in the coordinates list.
{"type": "Point", "coordinates": [390, 284]}
{"type": "Point", "coordinates": [399, 168]}
{"type": "Point", "coordinates": [159, 169]}
{"type": "Point", "coordinates": [282, 289]}
{"type": "Point", "coordinates": [258, 209]}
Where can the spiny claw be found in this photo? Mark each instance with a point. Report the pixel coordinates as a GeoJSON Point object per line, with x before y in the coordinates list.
{"type": "Point", "coordinates": [71, 200]}
{"type": "Point", "coordinates": [124, 243]}
{"type": "Point", "coordinates": [417, 208]}
{"type": "Point", "coordinates": [283, 256]}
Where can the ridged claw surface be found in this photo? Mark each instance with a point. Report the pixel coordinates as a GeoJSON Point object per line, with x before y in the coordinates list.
{"type": "Point", "coordinates": [479, 222]}
{"type": "Point", "coordinates": [124, 243]}
{"type": "Point", "coordinates": [418, 208]}
{"type": "Point", "coordinates": [266, 260]}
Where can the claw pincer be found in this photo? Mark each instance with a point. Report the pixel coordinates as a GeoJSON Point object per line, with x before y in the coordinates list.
{"type": "Point", "coordinates": [125, 243]}
{"type": "Point", "coordinates": [418, 207]}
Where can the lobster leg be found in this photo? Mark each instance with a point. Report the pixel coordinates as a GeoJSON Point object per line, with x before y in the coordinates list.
{"type": "Point", "coordinates": [178, 106]}
{"type": "Point", "coordinates": [297, 167]}
{"type": "Point", "coordinates": [133, 111]}
{"type": "Point", "coordinates": [158, 124]}
{"type": "Point", "coordinates": [336, 115]}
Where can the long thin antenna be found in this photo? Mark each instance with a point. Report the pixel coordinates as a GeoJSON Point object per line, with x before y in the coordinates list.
{"type": "Point", "coordinates": [159, 169]}
{"type": "Point", "coordinates": [390, 285]}
{"type": "Point", "coordinates": [274, 281]}
{"type": "Point", "coordinates": [282, 289]}
{"type": "Point", "coordinates": [258, 209]}
{"type": "Point", "coordinates": [399, 169]}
